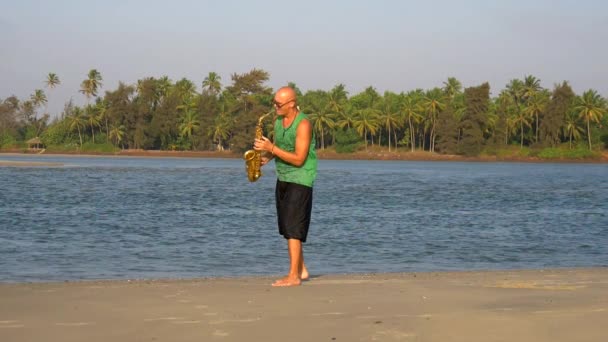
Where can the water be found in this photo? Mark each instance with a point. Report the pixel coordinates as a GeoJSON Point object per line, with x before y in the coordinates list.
{"type": "Point", "coordinates": [126, 218]}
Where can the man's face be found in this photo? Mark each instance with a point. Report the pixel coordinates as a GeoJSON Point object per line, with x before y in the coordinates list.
{"type": "Point", "coordinates": [282, 104]}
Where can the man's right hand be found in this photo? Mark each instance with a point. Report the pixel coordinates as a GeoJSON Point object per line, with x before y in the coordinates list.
{"type": "Point", "coordinates": [264, 160]}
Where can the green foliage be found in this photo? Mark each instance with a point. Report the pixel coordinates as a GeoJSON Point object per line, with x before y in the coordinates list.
{"type": "Point", "coordinates": [596, 137]}
{"type": "Point", "coordinates": [7, 140]}
{"type": "Point", "coordinates": [557, 109]}
{"type": "Point", "coordinates": [405, 141]}
{"type": "Point", "coordinates": [161, 114]}
{"type": "Point", "coordinates": [447, 132]}
{"type": "Point", "coordinates": [477, 101]}
{"type": "Point", "coordinates": [550, 153]}
{"type": "Point", "coordinates": [509, 152]}
{"type": "Point", "coordinates": [65, 147]}
{"type": "Point", "coordinates": [29, 133]}
{"type": "Point", "coordinates": [604, 139]}
{"type": "Point", "coordinates": [98, 148]}
{"type": "Point", "coordinates": [525, 152]}
{"type": "Point", "coordinates": [564, 153]}
{"type": "Point", "coordinates": [57, 134]}
{"type": "Point", "coordinates": [347, 141]}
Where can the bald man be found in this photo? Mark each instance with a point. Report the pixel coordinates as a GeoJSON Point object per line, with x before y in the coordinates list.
{"type": "Point", "coordinates": [296, 167]}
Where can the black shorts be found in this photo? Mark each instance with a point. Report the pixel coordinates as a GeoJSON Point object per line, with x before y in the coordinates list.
{"type": "Point", "coordinates": [294, 206]}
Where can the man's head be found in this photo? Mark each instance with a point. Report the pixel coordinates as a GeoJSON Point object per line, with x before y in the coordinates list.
{"type": "Point", "coordinates": [285, 101]}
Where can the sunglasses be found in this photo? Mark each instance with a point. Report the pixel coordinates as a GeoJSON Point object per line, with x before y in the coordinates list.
{"type": "Point", "coordinates": [280, 105]}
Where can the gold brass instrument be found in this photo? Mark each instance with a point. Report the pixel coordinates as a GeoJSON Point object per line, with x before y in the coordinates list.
{"type": "Point", "coordinates": [253, 158]}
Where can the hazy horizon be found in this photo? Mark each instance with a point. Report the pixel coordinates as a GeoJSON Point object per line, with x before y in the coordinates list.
{"type": "Point", "coordinates": [390, 45]}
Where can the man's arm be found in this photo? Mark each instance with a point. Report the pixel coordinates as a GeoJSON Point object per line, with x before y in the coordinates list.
{"type": "Point", "coordinates": [303, 139]}
{"type": "Point", "coordinates": [298, 157]}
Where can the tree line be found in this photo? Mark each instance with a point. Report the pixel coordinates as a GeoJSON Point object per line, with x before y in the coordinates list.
{"type": "Point", "coordinates": [160, 114]}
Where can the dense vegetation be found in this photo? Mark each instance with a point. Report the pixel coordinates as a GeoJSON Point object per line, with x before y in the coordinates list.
{"type": "Point", "coordinates": [159, 114]}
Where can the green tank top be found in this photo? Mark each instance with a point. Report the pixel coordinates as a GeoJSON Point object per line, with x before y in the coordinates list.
{"type": "Point", "coordinates": [285, 139]}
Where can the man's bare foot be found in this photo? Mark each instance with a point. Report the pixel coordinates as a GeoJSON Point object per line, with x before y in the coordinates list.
{"type": "Point", "coordinates": [287, 281]}
{"type": "Point", "coordinates": [304, 274]}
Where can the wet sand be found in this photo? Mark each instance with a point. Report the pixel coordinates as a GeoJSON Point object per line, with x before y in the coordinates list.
{"type": "Point", "coordinates": [533, 305]}
{"type": "Point", "coordinates": [11, 163]}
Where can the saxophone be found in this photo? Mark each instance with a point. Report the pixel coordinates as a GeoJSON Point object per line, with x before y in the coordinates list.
{"type": "Point", "coordinates": [253, 158]}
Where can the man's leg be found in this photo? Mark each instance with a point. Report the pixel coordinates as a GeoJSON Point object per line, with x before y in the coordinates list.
{"type": "Point", "coordinates": [296, 264]}
{"type": "Point", "coordinates": [303, 270]}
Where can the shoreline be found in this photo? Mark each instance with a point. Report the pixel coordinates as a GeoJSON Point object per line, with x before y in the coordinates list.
{"type": "Point", "coordinates": [11, 163]}
{"type": "Point", "coordinates": [321, 155]}
{"type": "Point", "coordinates": [248, 278]}
{"type": "Point", "coordinates": [568, 304]}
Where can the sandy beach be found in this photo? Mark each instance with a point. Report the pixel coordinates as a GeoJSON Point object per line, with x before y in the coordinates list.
{"type": "Point", "coordinates": [11, 163]}
{"type": "Point", "coordinates": [531, 305]}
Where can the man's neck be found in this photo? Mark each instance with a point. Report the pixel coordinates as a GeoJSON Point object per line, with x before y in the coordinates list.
{"type": "Point", "coordinates": [291, 115]}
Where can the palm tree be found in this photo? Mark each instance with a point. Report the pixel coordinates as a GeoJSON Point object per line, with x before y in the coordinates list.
{"type": "Point", "coordinates": [521, 118]}
{"type": "Point", "coordinates": [102, 109]}
{"type": "Point", "coordinates": [339, 93]}
{"type": "Point", "coordinates": [92, 119]}
{"type": "Point", "coordinates": [345, 118]}
{"type": "Point", "coordinates": [220, 130]}
{"type": "Point", "coordinates": [117, 133]}
{"type": "Point", "coordinates": [223, 124]}
{"type": "Point", "coordinates": [321, 119]}
{"type": "Point", "coordinates": [506, 105]}
{"type": "Point", "coordinates": [185, 88]}
{"type": "Point", "coordinates": [492, 122]}
{"type": "Point", "coordinates": [95, 78]}
{"type": "Point", "coordinates": [535, 105]}
{"type": "Point", "coordinates": [188, 104]}
{"type": "Point", "coordinates": [530, 87]}
{"type": "Point", "coordinates": [452, 87]}
{"type": "Point", "coordinates": [389, 116]}
{"type": "Point", "coordinates": [432, 104]}
{"type": "Point", "coordinates": [365, 121]}
{"type": "Point", "coordinates": [516, 89]}
{"type": "Point", "coordinates": [163, 86]}
{"type": "Point", "coordinates": [590, 107]}
{"type": "Point", "coordinates": [38, 99]}
{"type": "Point", "coordinates": [410, 108]}
{"type": "Point", "coordinates": [77, 121]}
{"type": "Point", "coordinates": [189, 125]}
{"type": "Point", "coordinates": [337, 98]}
{"type": "Point", "coordinates": [90, 86]}
{"type": "Point", "coordinates": [572, 128]}
{"type": "Point", "coordinates": [511, 124]}
{"type": "Point", "coordinates": [52, 81]}
{"type": "Point", "coordinates": [212, 83]}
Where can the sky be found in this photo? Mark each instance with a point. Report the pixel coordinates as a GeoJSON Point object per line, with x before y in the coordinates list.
{"type": "Point", "coordinates": [387, 44]}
